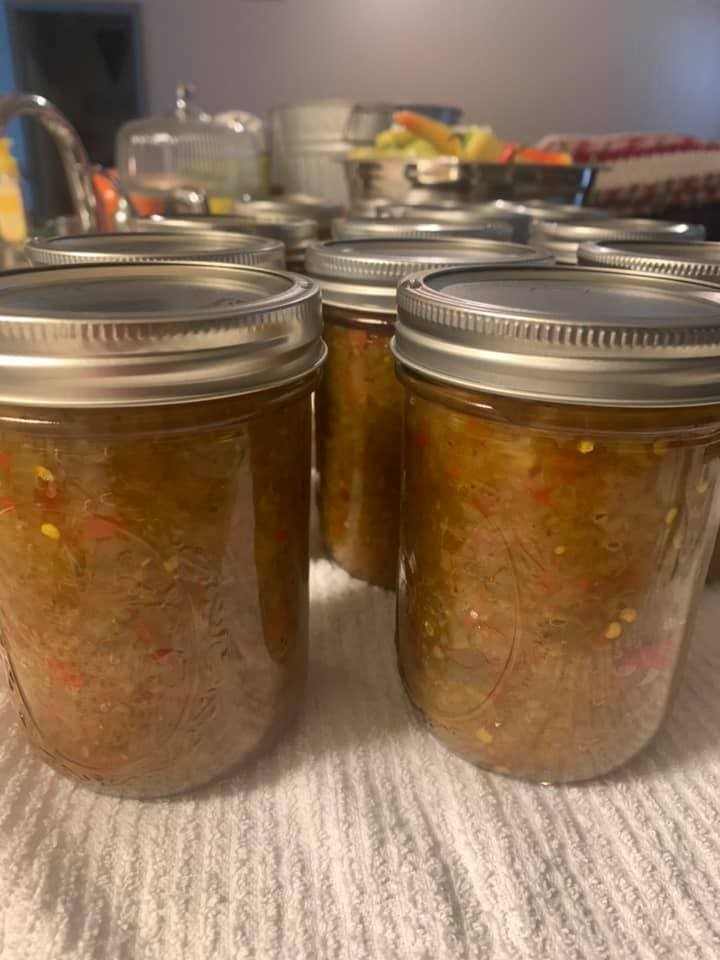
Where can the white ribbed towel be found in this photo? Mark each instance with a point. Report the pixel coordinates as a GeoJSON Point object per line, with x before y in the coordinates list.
{"type": "Point", "coordinates": [361, 838]}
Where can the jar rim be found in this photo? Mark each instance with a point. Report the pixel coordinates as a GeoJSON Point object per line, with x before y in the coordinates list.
{"type": "Point", "coordinates": [127, 334]}
{"type": "Point", "coordinates": [695, 259]}
{"type": "Point", "coordinates": [569, 334]}
{"type": "Point", "coordinates": [148, 245]}
{"type": "Point", "coordinates": [364, 273]}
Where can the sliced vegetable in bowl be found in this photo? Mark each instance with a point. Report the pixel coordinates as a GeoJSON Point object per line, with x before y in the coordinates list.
{"type": "Point", "coordinates": [415, 135]}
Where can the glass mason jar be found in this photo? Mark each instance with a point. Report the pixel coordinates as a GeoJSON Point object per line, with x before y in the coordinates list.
{"type": "Point", "coordinates": [154, 494]}
{"type": "Point", "coordinates": [295, 233]}
{"type": "Point", "coordinates": [536, 210]}
{"type": "Point", "coordinates": [699, 261]}
{"type": "Point", "coordinates": [201, 245]}
{"type": "Point", "coordinates": [559, 506]}
{"type": "Point", "coordinates": [461, 217]}
{"type": "Point", "coordinates": [563, 237]}
{"type": "Point", "coordinates": [428, 227]}
{"type": "Point", "coordinates": [295, 205]}
{"type": "Point", "coordinates": [359, 402]}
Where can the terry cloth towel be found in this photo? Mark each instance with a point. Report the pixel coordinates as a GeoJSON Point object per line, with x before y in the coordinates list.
{"type": "Point", "coordinates": [361, 838]}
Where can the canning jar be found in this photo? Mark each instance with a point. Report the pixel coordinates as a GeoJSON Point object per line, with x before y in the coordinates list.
{"type": "Point", "coordinates": [461, 217]}
{"type": "Point", "coordinates": [213, 245]}
{"type": "Point", "coordinates": [559, 505]}
{"type": "Point", "coordinates": [359, 402]}
{"type": "Point", "coordinates": [357, 228]}
{"type": "Point", "coordinates": [563, 237]}
{"type": "Point", "coordinates": [547, 210]}
{"type": "Point", "coordinates": [295, 205]}
{"type": "Point", "coordinates": [154, 492]}
{"type": "Point", "coordinates": [698, 260]}
{"type": "Point", "coordinates": [295, 233]}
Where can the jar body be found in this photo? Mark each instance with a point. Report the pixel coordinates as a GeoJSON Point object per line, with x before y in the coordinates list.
{"type": "Point", "coordinates": [551, 561]}
{"type": "Point", "coordinates": [153, 584]}
{"type": "Point", "coordinates": [359, 415]}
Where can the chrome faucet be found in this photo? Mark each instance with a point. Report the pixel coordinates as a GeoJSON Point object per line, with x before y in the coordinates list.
{"type": "Point", "coordinates": [72, 152]}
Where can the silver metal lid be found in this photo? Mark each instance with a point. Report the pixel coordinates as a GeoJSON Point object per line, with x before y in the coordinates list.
{"type": "Point", "coordinates": [364, 273]}
{"type": "Point", "coordinates": [543, 210]}
{"type": "Point", "coordinates": [564, 237]}
{"type": "Point", "coordinates": [293, 205]}
{"type": "Point", "coordinates": [213, 245]}
{"type": "Point", "coordinates": [356, 228]}
{"type": "Point", "coordinates": [567, 335]}
{"type": "Point", "coordinates": [292, 231]}
{"type": "Point", "coordinates": [118, 335]}
{"type": "Point", "coordinates": [697, 260]}
{"type": "Point", "coordinates": [461, 217]}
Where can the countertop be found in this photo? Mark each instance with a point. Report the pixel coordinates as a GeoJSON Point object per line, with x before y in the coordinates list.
{"type": "Point", "coordinates": [361, 838]}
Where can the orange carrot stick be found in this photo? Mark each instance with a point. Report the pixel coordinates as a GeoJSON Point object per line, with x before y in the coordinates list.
{"type": "Point", "coordinates": [438, 134]}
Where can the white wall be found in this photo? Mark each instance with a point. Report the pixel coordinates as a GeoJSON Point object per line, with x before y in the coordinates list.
{"type": "Point", "coordinates": [527, 67]}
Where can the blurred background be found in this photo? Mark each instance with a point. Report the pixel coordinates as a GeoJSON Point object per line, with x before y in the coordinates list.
{"type": "Point", "coordinates": [554, 72]}
{"type": "Point", "coordinates": [524, 67]}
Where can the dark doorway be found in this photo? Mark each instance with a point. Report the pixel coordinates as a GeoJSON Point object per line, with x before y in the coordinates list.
{"type": "Point", "coordinates": [86, 59]}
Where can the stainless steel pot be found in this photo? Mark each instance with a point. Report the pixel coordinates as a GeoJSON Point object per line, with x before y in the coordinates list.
{"type": "Point", "coordinates": [439, 179]}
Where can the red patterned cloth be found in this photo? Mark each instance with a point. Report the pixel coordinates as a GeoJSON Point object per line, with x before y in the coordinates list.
{"type": "Point", "coordinates": [646, 172]}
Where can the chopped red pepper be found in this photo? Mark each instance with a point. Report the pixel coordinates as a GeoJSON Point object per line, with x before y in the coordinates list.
{"type": "Point", "coordinates": [6, 505]}
{"type": "Point", "coordinates": [541, 495]}
{"type": "Point", "coordinates": [485, 503]}
{"type": "Point", "coordinates": [47, 497]}
{"type": "Point", "coordinates": [5, 461]}
{"type": "Point", "coordinates": [450, 542]}
{"type": "Point", "coordinates": [65, 674]}
{"type": "Point", "coordinates": [654, 656]}
{"type": "Point", "coordinates": [96, 527]}
{"type": "Point", "coordinates": [594, 587]}
{"type": "Point", "coordinates": [478, 430]}
{"type": "Point", "coordinates": [161, 654]}
{"type": "Point", "coordinates": [569, 467]}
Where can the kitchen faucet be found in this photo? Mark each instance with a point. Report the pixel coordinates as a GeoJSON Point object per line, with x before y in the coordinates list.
{"type": "Point", "coordinates": [72, 152]}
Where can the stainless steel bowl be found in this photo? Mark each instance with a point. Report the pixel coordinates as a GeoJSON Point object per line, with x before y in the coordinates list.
{"type": "Point", "coordinates": [439, 179]}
